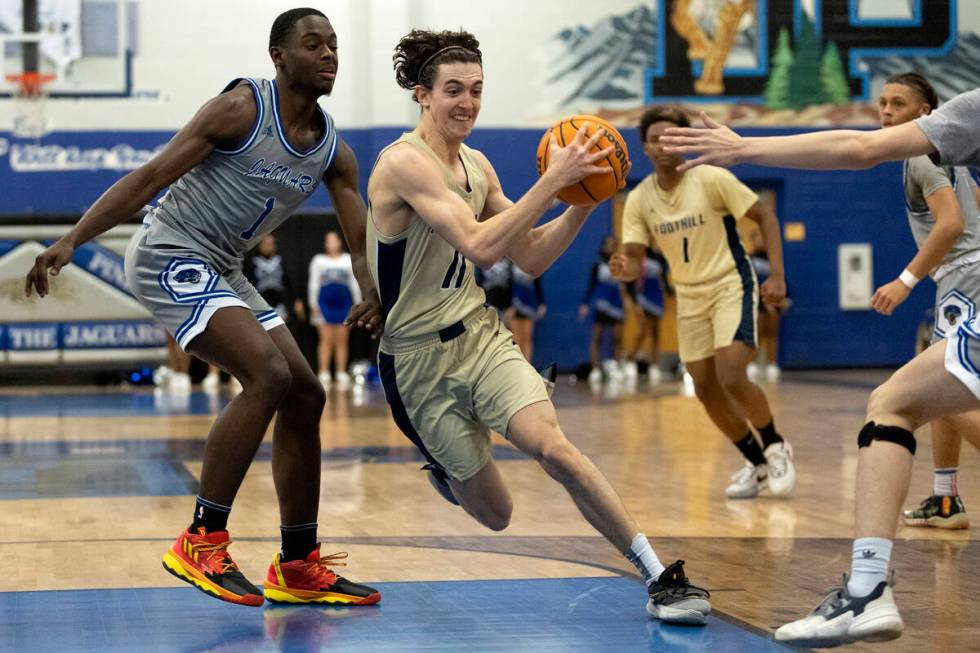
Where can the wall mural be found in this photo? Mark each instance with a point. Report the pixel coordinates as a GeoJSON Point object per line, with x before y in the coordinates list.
{"type": "Point", "coordinates": [758, 62]}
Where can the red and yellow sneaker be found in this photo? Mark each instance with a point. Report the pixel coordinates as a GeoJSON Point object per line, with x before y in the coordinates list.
{"type": "Point", "coordinates": [202, 559]}
{"type": "Point", "coordinates": [312, 581]}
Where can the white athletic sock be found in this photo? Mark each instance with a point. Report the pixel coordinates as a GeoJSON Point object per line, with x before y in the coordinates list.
{"type": "Point", "coordinates": [944, 482]}
{"type": "Point", "coordinates": [869, 564]}
{"type": "Point", "coordinates": [644, 559]}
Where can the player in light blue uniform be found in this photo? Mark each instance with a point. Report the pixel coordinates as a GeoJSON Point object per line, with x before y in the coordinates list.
{"type": "Point", "coordinates": [241, 166]}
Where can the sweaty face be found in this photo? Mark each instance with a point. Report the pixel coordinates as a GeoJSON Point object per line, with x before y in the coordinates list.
{"type": "Point", "coordinates": [653, 149]}
{"type": "Point", "coordinates": [899, 104]}
{"type": "Point", "coordinates": [309, 55]}
{"type": "Point", "coordinates": [454, 101]}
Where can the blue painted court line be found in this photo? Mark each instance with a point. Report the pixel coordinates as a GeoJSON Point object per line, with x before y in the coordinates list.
{"type": "Point", "coordinates": [572, 614]}
{"type": "Point", "coordinates": [109, 404]}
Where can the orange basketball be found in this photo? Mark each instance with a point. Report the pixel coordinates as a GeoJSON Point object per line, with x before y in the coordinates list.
{"type": "Point", "coordinates": [594, 188]}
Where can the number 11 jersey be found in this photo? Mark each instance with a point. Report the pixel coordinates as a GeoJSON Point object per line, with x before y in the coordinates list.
{"type": "Point", "coordinates": [425, 284]}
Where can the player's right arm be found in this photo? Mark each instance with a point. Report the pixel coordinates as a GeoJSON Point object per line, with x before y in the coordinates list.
{"type": "Point", "coordinates": [224, 120]}
{"type": "Point", "coordinates": [406, 175]}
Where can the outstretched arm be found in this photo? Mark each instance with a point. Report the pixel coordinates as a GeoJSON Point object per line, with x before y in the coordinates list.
{"type": "Point", "coordinates": [341, 179]}
{"type": "Point", "coordinates": [224, 120]}
{"type": "Point", "coordinates": [838, 149]}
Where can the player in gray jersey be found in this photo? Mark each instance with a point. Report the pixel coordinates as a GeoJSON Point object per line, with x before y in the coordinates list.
{"type": "Point", "coordinates": [941, 205]}
{"type": "Point", "coordinates": [241, 166]}
{"type": "Point", "coordinates": [942, 380]}
{"type": "Point", "coordinates": [450, 369]}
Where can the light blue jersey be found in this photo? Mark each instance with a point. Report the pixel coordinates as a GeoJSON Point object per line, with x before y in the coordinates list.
{"type": "Point", "coordinates": [227, 203]}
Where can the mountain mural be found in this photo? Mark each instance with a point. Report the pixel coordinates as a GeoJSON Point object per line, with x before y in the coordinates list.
{"type": "Point", "coordinates": [602, 69]}
{"type": "Point", "coordinates": [953, 74]}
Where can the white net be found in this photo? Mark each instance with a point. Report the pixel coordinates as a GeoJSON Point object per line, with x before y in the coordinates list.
{"type": "Point", "coordinates": [29, 103]}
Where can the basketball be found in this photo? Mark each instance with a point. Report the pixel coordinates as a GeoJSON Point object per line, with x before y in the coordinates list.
{"type": "Point", "coordinates": [594, 188]}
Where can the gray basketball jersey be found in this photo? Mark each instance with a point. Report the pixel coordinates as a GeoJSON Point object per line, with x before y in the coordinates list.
{"type": "Point", "coordinates": [227, 203]}
{"type": "Point", "coordinates": [920, 178]}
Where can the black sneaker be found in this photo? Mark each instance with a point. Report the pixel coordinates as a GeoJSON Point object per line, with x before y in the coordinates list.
{"type": "Point", "coordinates": [674, 600]}
{"type": "Point", "coordinates": [939, 512]}
{"type": "Point", "coordinates": [440, 481]}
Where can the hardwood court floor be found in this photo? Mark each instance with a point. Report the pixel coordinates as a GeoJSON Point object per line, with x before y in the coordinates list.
{"type": "Point", "coordinates": [95, 484]}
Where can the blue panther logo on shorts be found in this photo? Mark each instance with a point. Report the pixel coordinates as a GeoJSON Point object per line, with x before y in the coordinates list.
{"type": "Point", "coordinates": [188, 276]}
{"type": "Point", "coordinates": [952, 313]}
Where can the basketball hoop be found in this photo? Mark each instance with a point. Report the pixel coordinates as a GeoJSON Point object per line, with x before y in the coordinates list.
{"type": "Point", "coordinates": [30, 120]}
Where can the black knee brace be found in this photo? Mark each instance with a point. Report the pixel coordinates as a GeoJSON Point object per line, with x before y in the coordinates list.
{"type": "Point", "coordinates": [895, 434]}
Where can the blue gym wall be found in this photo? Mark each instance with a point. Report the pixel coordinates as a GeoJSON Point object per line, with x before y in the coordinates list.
{"type": "Point", "coordinates": [836, 207]}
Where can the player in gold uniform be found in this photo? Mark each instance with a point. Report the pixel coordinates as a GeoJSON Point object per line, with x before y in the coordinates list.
{"type": "Point", "coordinates": [691, 216]}
{"type": "Point", "coordinates": [450, 369]}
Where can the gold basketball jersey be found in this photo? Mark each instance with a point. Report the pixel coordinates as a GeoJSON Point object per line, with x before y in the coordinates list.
{"type": "Point", "coordinates": [426, 284]}
{"type": "Point", "coordinates": [693, 224]}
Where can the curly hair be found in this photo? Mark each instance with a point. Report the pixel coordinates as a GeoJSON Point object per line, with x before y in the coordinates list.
{"type": "Point", "coordinates": [919, 84]}
{"type": "Point", "coordinates": [662, 113]}
{"type": "Point", "coordinates": [419, 54]}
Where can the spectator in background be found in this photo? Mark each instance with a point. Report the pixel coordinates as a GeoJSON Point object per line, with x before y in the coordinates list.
{"type": "Point", "coordinates": [333, 291]}
{"type": "Point", "coordinates": [528, 306]}
{"type": "Point", "coordinates": [265, 269]}
{"type": "Point", "coordinates": [604, 296]}
{"type": "Point", "coordinates": [649, 298]}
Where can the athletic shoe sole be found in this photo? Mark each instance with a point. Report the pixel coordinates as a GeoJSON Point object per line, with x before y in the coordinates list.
{"type": "Point", "coordinates": [952, 522]}
{"type": "Point", "coordinates": [695, 613]}
{"type": "Point", "coordinates": [173, 564]}
{"type": "Point", "coordinates": [277, 594]}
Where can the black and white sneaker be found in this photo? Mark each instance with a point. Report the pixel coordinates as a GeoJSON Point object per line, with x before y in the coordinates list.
{"type": "Point", "coordinates": [841, 619]}
{"type": "Point", "coordinates": [674, 600]}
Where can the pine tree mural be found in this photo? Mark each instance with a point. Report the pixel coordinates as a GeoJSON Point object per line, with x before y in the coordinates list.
{"type": "Point", "coordinates": [805, 88]}
{"type": "Point", "coordinates": [777, 86]}
{"type": "Point", "coordinates": [832, 76]}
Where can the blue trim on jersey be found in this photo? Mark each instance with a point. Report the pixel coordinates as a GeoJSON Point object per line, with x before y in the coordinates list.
{"type": "Point", "coordinates": [327, 126]}
{"type": "Point", "coordinates": [333, 147]}
{"type": "Point", "coordinates": [386, 369]}
{"type": "Point", "coordinates": [391, 260]}
{"type": "Point", "coordinates": [190, 322]}
{"type": "Point", "coordinates": [259, 118]}
{"type": "Point", "coordinates": [962, 351]}
{"type": "Point", "coordinates": [266, 316]}
{"type": "Point", "coordinates": [746, 326]}
{"type": "Point", "coordinates": [207, 293]}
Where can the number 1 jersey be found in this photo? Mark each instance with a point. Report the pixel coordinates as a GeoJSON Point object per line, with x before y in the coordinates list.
{"type": "Point", "coordinates": [226, 204]}
{"type": "Point", "coordinates": [693, 224]}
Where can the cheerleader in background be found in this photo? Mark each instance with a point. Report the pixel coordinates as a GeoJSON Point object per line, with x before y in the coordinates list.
{"type": "Point", "coordinates": [332, 292]}
{"type": "Point", "coordinates": [528, 307]}
{"type": "Point", "coordinates": [650, 305]}
{"type": "Point", "coordinates": [604, 296]}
